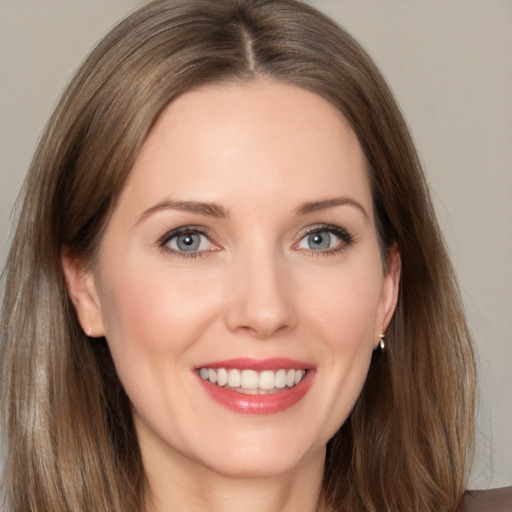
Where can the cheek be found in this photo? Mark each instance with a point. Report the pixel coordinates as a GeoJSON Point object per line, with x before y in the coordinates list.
{"type": "Point", "coordinates": [348, 327]}
{"type": "Point", "coordinates": [345, 304]}
{"type": "Point", "coordinates": [152, 317]}
{"type": "Point", "coordinates": [151, 320]}
{"type": "Point", "coordinates": [150, 307]}
{"type": "Point", "coordinates": [344, 320]}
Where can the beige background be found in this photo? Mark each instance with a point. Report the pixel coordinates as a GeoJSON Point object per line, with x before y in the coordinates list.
{"type": "Point", "coordinates": [450, 65]}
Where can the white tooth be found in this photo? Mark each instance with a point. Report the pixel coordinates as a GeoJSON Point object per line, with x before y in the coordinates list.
{"type": "Point", "coordinates": [266, 380]}
{"type": "Point", "coordinates": [280, 379]}
{"type": "Point", "coordinates": [212, 375]}
{"type": "Point", "coordinates": [290, 378]}
{"type": "Point", "coordinates": [222, 377]}
{"type": "Point", "coordinates": [234, 378]}
{"type": "Point", "coordinates": [299, 374]}
{"type": "Point", "coordinates": [249, 379]}
{"type": "Point", "coordinates": [203, 372]}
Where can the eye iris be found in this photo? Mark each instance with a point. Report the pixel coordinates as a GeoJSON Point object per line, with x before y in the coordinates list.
{"type": "Point", "coordinates": [188, 242]}
{"type": "Point", "coordinates": [319, 240]}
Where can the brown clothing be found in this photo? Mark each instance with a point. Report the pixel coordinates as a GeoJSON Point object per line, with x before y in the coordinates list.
{"type": "Point", "coordinates": [491, 500]}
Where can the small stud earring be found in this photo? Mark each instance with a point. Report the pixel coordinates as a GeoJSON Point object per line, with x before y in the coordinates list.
{"type": "Point", "coordinates": [382, 345]}
{"type": "Point", "coordinates": [89, 331]}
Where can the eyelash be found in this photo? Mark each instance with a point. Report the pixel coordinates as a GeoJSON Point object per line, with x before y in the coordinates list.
{"type": "Point", "coordinates": [346, 238]}
{"type": "Point", "coordinates": [184, 230]}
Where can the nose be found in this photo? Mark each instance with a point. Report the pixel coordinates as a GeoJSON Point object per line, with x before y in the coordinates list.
{"type": "Point", "coordinates": [261, 302]}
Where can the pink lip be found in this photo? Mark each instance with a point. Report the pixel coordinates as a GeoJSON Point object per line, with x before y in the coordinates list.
{"type": "Point", "coordinates": [248, 363]}
{"type": "Point", "coordinates": [259, 404]}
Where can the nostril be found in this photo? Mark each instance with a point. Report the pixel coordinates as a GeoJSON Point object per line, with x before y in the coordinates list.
{"type": "Point", "coordinates": [261, 331]}
{"type": "Point", "coordinates": [261, 303]}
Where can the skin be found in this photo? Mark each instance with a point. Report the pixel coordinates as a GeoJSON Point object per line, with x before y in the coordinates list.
{"type": "Point", "coordinates": [256, 288]}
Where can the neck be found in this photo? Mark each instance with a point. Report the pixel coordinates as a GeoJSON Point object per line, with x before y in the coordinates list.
{"type": "Point", "coordinates": [183, 485]}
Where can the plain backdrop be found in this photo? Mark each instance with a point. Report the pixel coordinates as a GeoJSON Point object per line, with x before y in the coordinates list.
{"type": "Point", "coordinates": [449, 63]}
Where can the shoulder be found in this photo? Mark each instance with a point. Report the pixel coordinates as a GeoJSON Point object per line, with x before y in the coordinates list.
{"type": "Point", "coordinates": [491, 500]}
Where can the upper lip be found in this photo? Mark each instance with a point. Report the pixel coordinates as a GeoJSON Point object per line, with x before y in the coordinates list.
{"type": "Point", "coordinates": [250, 363]}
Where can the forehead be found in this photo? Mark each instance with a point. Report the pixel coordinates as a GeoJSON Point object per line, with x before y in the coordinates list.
{"type": "Point", "coordinates": [247, 140]}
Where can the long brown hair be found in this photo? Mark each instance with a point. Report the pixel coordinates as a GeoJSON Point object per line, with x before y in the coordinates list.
{"type": "Point", "coordinates": [70, 440]}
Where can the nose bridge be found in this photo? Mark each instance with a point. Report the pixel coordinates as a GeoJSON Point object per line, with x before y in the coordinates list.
{"type": "Point", "coordinates": [261, 303]}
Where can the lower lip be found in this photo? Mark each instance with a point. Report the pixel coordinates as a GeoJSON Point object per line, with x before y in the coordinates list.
{"type": "Point", "coordinates": [259, 404]}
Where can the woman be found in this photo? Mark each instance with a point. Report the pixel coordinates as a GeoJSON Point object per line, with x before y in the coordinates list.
{"type": "Point", "coordinates": [227, 287]}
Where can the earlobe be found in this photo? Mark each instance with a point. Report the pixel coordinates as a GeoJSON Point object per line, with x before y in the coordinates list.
{"type": "Point", "coordinates": [82, 291]}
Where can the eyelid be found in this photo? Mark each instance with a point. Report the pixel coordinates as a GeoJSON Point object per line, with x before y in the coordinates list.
{"type": "Point", "coordinates": [183, 230]}
{"type": "Point", "coordinates": [164, 240]}
{"type": "Point", "coordinates": [345, 237]}
{"type": "Point", "coordinates": [343, 234]}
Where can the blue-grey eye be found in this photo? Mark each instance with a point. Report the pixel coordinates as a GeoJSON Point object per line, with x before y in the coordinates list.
{"type": "Point", "coordinates": [189, 242]}
{"type": "Point", "coordinates": [319, 241]}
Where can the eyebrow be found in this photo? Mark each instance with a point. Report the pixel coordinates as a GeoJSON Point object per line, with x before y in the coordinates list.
{"type": "Point", "coordinates": [219, 212]}
{"type": "Point", "coordinates": [208, 209]}
{"type": "Point", "coordinates": [314, 206]}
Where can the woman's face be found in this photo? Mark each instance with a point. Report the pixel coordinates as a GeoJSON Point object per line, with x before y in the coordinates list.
{"type": "Point", "coordinates": [242, 249]}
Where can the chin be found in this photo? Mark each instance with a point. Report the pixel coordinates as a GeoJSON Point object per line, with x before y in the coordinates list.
{"type": "Point", "coordinates": [264, 459]}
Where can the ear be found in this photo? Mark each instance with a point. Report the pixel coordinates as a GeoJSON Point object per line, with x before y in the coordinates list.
{"type": "Point", "coordinates": [82, 290]}
{"type": "Point", "coordinates": [391, 285]}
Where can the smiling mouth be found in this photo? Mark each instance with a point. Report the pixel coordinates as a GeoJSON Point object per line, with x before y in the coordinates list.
{"type": "Point", "coordinates": [252, 382]}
